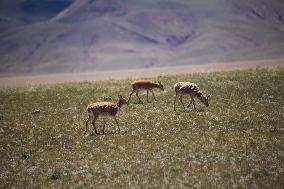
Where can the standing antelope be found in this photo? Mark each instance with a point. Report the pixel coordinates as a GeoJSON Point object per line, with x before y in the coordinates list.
{"type": "Point", "coordinates": [146, 85]}
{"type": "Point", "coordinates": [104, 109]}
{"type": "Point", "coordinates": [187, 88]}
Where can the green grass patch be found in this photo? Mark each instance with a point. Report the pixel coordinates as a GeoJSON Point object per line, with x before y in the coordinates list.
{"type": "Point", "coordinates": [84, 185]}
{"type": "Point", "coordinates": [237, 142]}
{"type": "Point", "coordinates": [56, 174]}
{"type": "Point", "coordinates": [26, 155]}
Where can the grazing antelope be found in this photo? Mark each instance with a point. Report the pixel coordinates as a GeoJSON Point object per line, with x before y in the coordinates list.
{"type": "Point", "coordinates": [104, 109]}
{"type": "Point", "coordinates": [187, 88]}
{"type": "Point", "coordinates": [146, 85]}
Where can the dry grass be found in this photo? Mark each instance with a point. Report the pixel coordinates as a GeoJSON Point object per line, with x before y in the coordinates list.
{"type": "Point", "coordinates": [235, 143]}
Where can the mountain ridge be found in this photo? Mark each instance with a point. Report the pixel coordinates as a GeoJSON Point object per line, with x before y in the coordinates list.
{"type": "Point", "coordinates": [106, 34]}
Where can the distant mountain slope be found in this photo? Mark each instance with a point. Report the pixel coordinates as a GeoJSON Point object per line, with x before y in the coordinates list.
{"type": "Point", "coordinates": [21, 12]}
{"type": "Point", "coordinates": [71, 36]}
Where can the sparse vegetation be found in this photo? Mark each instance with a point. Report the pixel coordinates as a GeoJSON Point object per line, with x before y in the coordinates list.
{"type": "Point", "coordinates": [235, 143]}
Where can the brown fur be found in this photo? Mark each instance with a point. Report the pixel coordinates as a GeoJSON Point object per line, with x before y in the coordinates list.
{"type": "Point", "coordinates": [147, 85]}
{"type": "Point", "coordinates": [103, 109]}
{"type": "Point", "coordinates": [191, 89]}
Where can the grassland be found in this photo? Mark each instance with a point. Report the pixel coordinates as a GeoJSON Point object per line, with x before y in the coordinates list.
{"type": "Point", "coordinates": [237, 142]}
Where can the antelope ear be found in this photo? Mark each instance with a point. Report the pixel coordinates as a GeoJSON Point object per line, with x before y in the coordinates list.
{"type": "Point", "coordinates": [159, 82]}
{"type": "Point", "coordinates": [119, 96]}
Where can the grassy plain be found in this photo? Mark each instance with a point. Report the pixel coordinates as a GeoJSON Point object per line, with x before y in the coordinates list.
{"type": "Point", "coordinates": [237, 142]}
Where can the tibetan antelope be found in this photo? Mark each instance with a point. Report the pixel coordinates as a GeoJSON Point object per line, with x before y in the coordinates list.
{"type": "Point", "coordinates": [191, 89]}
{"type": "Point", "coordinates": [145, 85]}
{"type": "Point", "coordinates": [104, 109]}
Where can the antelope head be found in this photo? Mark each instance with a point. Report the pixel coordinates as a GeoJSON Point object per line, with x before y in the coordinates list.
{"type": "Point", "coordinates": [121, 101]}
{"type": "Point", "coordinates": [161, 86]}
